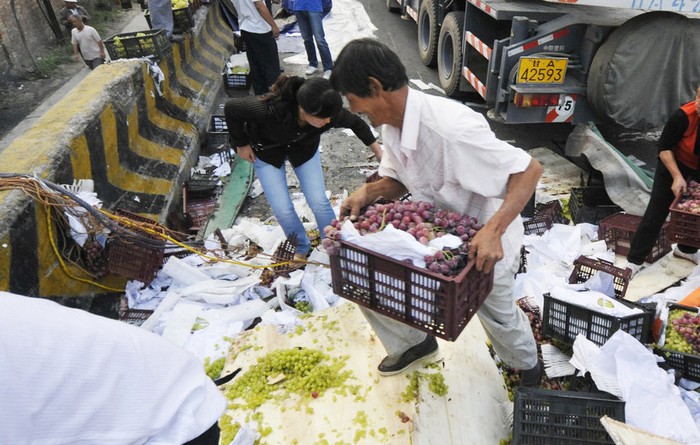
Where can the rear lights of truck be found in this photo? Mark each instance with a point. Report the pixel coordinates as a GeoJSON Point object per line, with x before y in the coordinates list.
{"type": "Point", "coordinates": [533, 100]}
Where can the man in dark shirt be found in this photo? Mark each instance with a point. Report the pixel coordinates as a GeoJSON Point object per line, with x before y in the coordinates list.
{"type": "Point", "coordinates": [679, 152]}
{"type": "Point", "coordinates": [71, 7]}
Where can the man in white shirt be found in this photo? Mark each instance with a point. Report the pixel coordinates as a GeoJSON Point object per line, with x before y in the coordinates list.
{"type": "Point", "coordinates": [86, 43]}
{"type": "Point", "coordinates": [443, 152]}
{"type": "Point", "coordinates": [259, 32]}
{"type": "Point", "coordinates": [71, 377]}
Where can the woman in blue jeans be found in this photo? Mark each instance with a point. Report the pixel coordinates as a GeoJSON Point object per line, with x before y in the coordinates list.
{"type": "Point", "coordinates": [309, 15]}
{"type": "Point", "coordinates": [286, 125]}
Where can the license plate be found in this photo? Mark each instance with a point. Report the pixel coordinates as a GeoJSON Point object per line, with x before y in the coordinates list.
{"type": "Point", "coordinates": [542, 70]}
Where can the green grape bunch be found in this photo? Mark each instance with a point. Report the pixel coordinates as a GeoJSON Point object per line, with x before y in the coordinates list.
{"type": "Point", "coordinates": [683, 332]}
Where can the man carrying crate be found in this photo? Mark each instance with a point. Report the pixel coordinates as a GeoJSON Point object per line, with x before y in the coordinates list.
{"type": "Point", "coordinates": [443, 152]}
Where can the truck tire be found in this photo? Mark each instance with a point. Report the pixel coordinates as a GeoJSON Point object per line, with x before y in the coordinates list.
{"type": "Point", "coordinates": [450, 53]}
{"type": "Point", "coordinates": [393, 6]}
{"type": "Point", "coordinates": [645, 70]}
{"type": "Point", "coordinates": [428, 30]}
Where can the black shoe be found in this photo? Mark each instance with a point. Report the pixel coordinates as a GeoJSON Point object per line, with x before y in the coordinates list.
{"type": "Point", "coordinates": [423, 350]}
{"type": "Point", "coordinates": [532, 377]}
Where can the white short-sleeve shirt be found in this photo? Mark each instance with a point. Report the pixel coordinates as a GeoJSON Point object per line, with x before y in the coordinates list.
{"type": "Point", "coordinates": [88, 40]}
{"type": "Point", "coordinates": [446, 154]}
{"type": "Point", "coordinates": [249, 19]}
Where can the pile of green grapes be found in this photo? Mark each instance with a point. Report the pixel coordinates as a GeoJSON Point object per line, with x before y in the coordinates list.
{"type": "Point", "coordinates": [436, 384]}
{"type": "Point", "coordinates": [307, 372]}
{"type": "Point", "coordinates": [213, 369]}
{"type": "Point", "coordinates": [683, 331]}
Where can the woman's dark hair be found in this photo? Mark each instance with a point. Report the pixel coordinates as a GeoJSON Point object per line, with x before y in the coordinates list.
{"type": "Point", "coordinates": [316, 96]}
{"type": "Point", "coordinates": [361, 59]}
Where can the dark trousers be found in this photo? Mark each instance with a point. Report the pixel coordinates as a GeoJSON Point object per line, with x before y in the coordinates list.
{"type": "Point", "coordinates": [656, 213]}
{"type": "Point", "coordinates": [209, 437]}
{"type": "Point", "coordinates": [263, 58]}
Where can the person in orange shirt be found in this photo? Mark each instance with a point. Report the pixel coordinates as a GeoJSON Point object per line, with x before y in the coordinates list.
{"type": "Point", "coordinates": [679, 153]}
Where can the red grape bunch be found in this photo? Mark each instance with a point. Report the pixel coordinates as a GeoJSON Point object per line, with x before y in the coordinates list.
{"type": "Point", "coordinates": [421, 220]}
{"type": "Point", "coordinates": [685, 333]}
{"type": "Point", "coordinates": [691, 199]}
{"type": "Point", "coordinates": [94, 257]}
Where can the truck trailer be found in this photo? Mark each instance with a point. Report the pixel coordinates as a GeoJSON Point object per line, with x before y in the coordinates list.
{"type": "Point", "coordinates": [629, 62]}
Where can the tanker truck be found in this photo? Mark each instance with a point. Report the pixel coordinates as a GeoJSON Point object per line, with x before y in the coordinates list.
{"type": "Point", "coordinates": [629, 62]}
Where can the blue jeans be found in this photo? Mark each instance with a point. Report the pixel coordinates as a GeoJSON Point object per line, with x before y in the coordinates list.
{"type": "Point", "coordinates": [311, 28]}
{"type": "Point", "coordinates": [161, 15]}
{"type": "Point", "coordinates": [274, 184]}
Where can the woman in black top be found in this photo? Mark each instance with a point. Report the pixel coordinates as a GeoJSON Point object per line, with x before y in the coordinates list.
{"type": "Point", "coordinates": [287, 124]}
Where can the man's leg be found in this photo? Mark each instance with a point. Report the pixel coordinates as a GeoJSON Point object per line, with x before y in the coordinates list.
{"type": "Point", "coordinates": [161, 15]}
{"type": "Point", "coordinates": [305, 28]}
{"type": "Point", "coordinates": [506, 325]}
{"type": "Point", "coordinates": [316, 22]}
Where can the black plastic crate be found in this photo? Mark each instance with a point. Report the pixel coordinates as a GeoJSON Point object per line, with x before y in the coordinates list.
{"type": "Point", "coordinates": [217, 134]}
{"type": "Point", "coordinates": [235, 82]}
{"type": "Point", "coordinates": [591, 204]}
{"type": "Point", "coordinates": [182, 19]}
{"type": "Point", "coordinates": [130, 45]}
{"type": "Point", "coordinates": [686, 365]}
{"type": "Point", "coordinates": [564, 321]}
{"type": "Point", "coordinates": [548, 417]}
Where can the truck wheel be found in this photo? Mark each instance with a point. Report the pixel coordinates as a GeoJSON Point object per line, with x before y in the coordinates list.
{"type": "Point", "coordinates": [393, 6]}
{"type": "Point", "coordinates": [645, 70]}
{"type": "Point", "coordinates": [450, 53]}
{"type": "Point", "coordinates": [428, 30]}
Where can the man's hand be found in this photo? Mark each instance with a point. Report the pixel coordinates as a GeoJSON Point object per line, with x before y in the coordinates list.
{"type": "Point", "coordinates": [354, 203]}
{"type": "Point", "coordinates": [246, 153]}
{"type": "Point", "coordinates": [486, 249]}
{"type": "Point", "coordinates": [679, 185]}
{"type": "Point", "coordinates": [275, 32]}
{"type": "Point", "coordinates": [76, 58]}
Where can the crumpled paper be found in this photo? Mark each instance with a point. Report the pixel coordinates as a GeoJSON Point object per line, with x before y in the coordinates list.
{"type": "Point", "coordinates": [397, 244]}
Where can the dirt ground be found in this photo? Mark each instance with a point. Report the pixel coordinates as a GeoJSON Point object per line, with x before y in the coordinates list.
{"type": "Point", "coordinates": [21, 93]}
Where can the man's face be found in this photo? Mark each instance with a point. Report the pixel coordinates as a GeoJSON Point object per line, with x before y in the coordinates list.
{"type": "Point", "coordinates": [76, 23]}
{"type": "Point", "coordinates": [69, 5]}
{"type": "Point", "coordinates": [371, 106]}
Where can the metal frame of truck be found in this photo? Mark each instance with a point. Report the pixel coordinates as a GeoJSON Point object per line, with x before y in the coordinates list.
{"type": "Point", "coordinates": [477, 45]}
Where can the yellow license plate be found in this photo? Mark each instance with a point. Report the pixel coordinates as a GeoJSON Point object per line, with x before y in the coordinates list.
{"type": "Point", "coordinates": [542, 70]}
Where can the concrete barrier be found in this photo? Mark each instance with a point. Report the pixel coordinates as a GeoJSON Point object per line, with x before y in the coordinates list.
{"type": "Point", "coordinates": [134, 137]}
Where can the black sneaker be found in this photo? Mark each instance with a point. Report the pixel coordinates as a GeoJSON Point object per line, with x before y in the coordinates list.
{"type": "Point", "coordinates": [423, 350]}
{"type": "Point", "coordinates": [532, 377]}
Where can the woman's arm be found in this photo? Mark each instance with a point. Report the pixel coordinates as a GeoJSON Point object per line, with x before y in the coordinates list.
{"type": "Point", "coordinates": [346, 119]}
{"type": "Point", "coordinates": [242, 111]}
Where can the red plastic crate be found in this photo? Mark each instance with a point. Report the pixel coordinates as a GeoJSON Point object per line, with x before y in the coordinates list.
{"type": "Point", "coordinates": [131, 259]}
{"type": "Point", "coordinates": [585, 268]}
{"type": "Point", "coordinates": [434, 303]}
{"type": "Point", "coordinates": [618, 230]}
{"type": "Point", "coordinates": [685, 226]}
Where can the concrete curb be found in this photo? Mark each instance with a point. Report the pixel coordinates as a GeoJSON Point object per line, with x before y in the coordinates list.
{"type": "Point", "coordinates": [135, 139]}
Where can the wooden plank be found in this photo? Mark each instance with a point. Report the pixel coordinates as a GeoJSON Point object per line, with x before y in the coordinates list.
{"type": "Point", "coordinates": [231, 200]}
